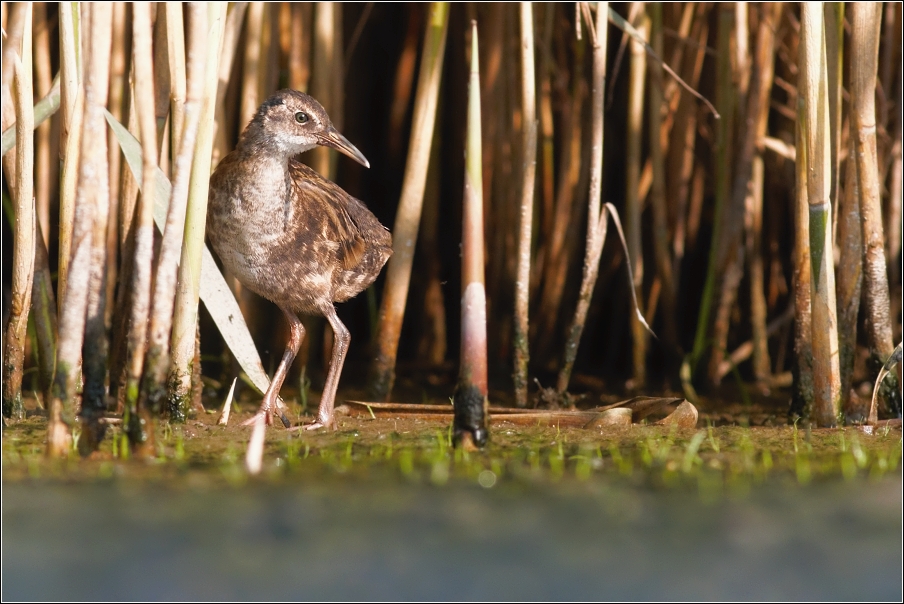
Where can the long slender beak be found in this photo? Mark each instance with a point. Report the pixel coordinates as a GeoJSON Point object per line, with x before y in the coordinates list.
{"type": "Point", "coordinates": [332, 138]}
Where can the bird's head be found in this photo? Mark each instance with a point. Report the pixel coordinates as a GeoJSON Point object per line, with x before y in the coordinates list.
{"type": "Point", "coordinates": [293, 122]}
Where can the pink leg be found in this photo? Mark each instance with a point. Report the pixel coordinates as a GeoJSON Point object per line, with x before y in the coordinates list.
{"type": "Point", "coordinates": [271, 403]}
{"type": "Point", "coordinates": [341, 339]}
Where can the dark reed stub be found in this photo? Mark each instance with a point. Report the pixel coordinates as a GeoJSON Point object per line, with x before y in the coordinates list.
{"type": "Point", "coordinates": [470, 407]}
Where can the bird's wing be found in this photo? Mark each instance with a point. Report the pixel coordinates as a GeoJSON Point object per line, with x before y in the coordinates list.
{"type": "Point", "coordinates": [331, 202]}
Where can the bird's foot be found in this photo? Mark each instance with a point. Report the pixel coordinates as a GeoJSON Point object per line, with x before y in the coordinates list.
{"type": "Point", "coordinates": [267, 413]}
{"type": "Point", "coordinates": [317, 425]}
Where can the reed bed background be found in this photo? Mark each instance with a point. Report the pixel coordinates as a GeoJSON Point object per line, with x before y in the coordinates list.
{"type": "Point", "coordinates": [753, 151]}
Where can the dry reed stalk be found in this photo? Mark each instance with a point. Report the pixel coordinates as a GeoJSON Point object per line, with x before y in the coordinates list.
{"type": "Point", "coordinates": [683, 142]}
{"type": "Point", "coordinates": [142, 258]}
{"type": "Point", "coordinates": [633, 144]}
{"type": "Point", "coordinates": [834, 32]}
{"type": "Point", "coordinates": [469, 426]}
{"type": "Point", "coordinates": [848, 287]}
{"type": "Point", "coordinates": [43, 305]}
{"type": "Point", "coordinates": [96, 344]}
{"type": "Point", "coordinates": [327, 67]}
{"type": "Point", "coordinates": [185, 317]}
{"type": "Point", "coordinates": [251, 64]}
{"type": "Point", "coordinates": [658, 140]}
{"type": "Point", "coordinates": [45, 169]}
{"type": "Point", "coordinates": [19, 12]}
{"type": "Point", "coordinates": [752, 151]}
{"type": "Point", "coordinates": [547, 181]}
{"type": "Point", "coordinates": [803, 394]}
{"type": "Point", "coordinates": [596, 220]}
{"type": "Point", "coordinates": [24, 228]}
{"type": "Point", "coordinates": [300, 50]}
{"type": "Point", "coordinates": [866, 20]}
{"type": "Point", "coordinates": [92, 187]}
{"type": "Point", "coordinates": [559, 246]}
{"type": "Point", "coordinates": [404, 233]}
{"type": "Point", "coordinates": [156, 366]}
{"type": "Point", "coordinates": [528, 185]}
{"type": "Point", "coordinates": [163, 81]}
{"type": "Point", "coordinates": [725, 103]}
{"type": "Point", "coordinates": [231, 35]}
{"type": "Point", "coordinates": [175, 52]}
{"type": "Point", "coordinates": [72, 102]}
{"type": "Point", "coordinates": [402, 85]}
{"type": "Point", "coordinates": [814, 90]}
{"type": "Point", "coordinates": [896, 183]}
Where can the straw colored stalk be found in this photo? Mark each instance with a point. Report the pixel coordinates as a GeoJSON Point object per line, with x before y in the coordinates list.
{"type": "Point", "coordinates": [24, 228]}
{"type": "Point", "coordinates": [469, 427]}
{"type": "Point", "coordinates": [43, 305]}
{"type": "Point", "coordinates": [744, 213]}
{"type": "Point", "coordinates": [633, 144]}
{"type": "Point", "coordinates": [563, 239]}
{"type": "Point", "coordinates": [72, 102]}
{"type": "Point", "coordinates": [12, 45]}
{"type": "Point", "coordinates": [142, 53]}
{"type": "Point", "coordinates": [596, 221]}
{"type": "Point", "coordinates": [162, 301]}
{"type": "Point", "coordinates": [528, 184]}
{"type": "Point", "coordinates": [96, 344]}
{"type": "Point", "coordinates": [725, 103]}
{"type": "Point", "coordinates": [327, 71]}
{"type": "Point", "coordinates": [864, 63]}
{"type": "Point", "coordinates": [230, 43]}
{"type": "Point", "coordinates": [404, 234]}
{"type": "Point", "coordinates": [175, 45]}
{"type": "Point", "coordinates": [749, 179]}
{"type": "Point", "coordinates": [814, 89]}
{"type": "Point", "coordinates": [92, 188]}
{"type": "Point", "coordinates": [803, 394]}
{"type": "Point", "coordinates": [684, 139]}
{"type": "Point", "coordinates": [849, 284]}
{"type": "Point", "coordinates": [658, 192]}
{"type": "Point", "coordinates": [45, 169]}
{"type": "Point", "coordinates": [185, 319]}
{"type": "Point", "coordinates": [251, 62]}
{"type": "Point", "coordinates": [300, 46]}
{"type": "Point", "coordinates": [834, 32]}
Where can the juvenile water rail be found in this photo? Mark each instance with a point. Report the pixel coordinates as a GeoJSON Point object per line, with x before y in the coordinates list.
{"type": "Point", "coordinates": [292, 236]}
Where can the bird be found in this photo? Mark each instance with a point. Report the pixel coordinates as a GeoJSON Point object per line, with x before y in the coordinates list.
{"type": "Point", "coordinates": [292, 236]}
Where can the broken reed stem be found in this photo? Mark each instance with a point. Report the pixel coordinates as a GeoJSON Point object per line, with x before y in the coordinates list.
{"type": "Point", "coordinates": [163, 300]}
{"type": "Point", "coordinates": [636, 79]}
{"type": "Point", "coordinates": [826, 375]}
{"type": "Point", "coordinates": [24, 229]}
{"type": "Point", "coordinates": [144, 228]}
{"type": "Point", "coordinates": [470, 398]}
{"type": "Point", "coordinates": [596, 221]}
{"type": "Point", "coordinates": [96, 345]}
{"type": "Point", "coordinates": [404, 232]}
{"type": "Point", "coordinates": [866, 21]}
{"type": "Point", "coordinates": [185, 318]}
{"type": "Point", "coordinates": [528, 185]}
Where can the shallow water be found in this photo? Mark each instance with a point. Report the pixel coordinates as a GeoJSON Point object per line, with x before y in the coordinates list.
{"type": "Point", "coordinates": [350, 539]}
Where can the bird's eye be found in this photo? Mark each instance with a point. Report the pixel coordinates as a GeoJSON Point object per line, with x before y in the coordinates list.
{"type": "Point", "coordinates": [301, 117]}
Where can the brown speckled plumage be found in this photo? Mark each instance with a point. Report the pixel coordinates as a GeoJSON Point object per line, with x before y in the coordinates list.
{"type": "Point", "coordinates": [291, 235]}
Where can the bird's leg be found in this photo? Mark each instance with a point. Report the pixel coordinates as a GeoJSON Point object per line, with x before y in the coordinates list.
{"type": "Point", "coordinates": [341, 339]}
{"type": "Point", "coordinates": [271, 403]}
